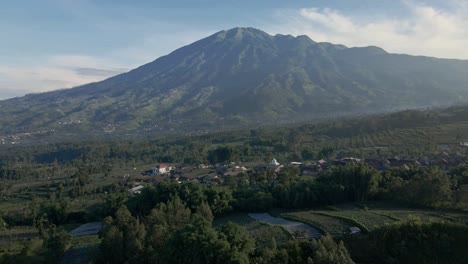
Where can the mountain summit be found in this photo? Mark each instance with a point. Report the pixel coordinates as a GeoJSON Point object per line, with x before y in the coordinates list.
{"type": "Point", "coordinates": [244, 76]}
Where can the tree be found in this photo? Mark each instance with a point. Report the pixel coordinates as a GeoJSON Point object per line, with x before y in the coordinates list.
{"type": "Point", "coordinates": [198, 242]}
{"type": "Point", "coordinates": [222, 154]}
{"type": "Point", "coordinates": [123, 238]}
{"type": "Point", "coordinates": [204, 210]}
{"type": "Point", "coordinates": [56, 243]}
{"type": "Point", "coordinates": [353, 182]}
{"type": "Point", "coordinates": [56, 211]}
{"type": "Point", "coordinates": [327, 251]}
{"type": "Point", "coordinates": [427, 187]}
{"type": "Point", "coordinates": [219, 200]}
{"type": "Point", "coordinates": [325, 153]}
{"type": "Point", "coordinates": [241, 243]}
{"type": "Point", "coordinates": [322, 251]}
{"type": "Point", "coordinates": [112, 202]}
{"type": "Point", "coordinates": [173, 215]}
{"type": "Point", "coordinates": [412, 242]}
{"type": "Point", "coordinates": [288, 175]}
{"type": "Point", "coordinates": [307, 154]}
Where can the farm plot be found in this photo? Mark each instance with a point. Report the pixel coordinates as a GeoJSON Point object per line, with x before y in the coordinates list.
{"type": "Point", "coordinates": [331, 225]}
{"type": "Point", "coordinates": [362, 219]}
{"type": "Point", "coordinates": [426, 216]}
{"type": "Point", "coordinates": [18, 233]}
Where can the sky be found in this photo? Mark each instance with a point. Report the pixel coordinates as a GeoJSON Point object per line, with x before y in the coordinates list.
{"type": "Point", "coordinates": [53, 44]}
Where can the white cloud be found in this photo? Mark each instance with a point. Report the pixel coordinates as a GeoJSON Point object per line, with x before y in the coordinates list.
{"type": "Point", "coordinates": [427, 30]}
{"type": "Point", "coordinates": [71, 70]}
{"type": "Point", "coordinates": [56, 72]}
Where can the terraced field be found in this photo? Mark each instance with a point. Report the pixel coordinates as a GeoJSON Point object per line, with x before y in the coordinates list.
{"type": "Point", "coordinates": [338, 221]}
{"type": "Point", "coordinates": [424, 215]}
{"type": "Point", "coordinates": [323, 223]}
{"type": "Point", "coordinates": [18, 233]}
{"type": "Point", "coordinates": [363, 219]}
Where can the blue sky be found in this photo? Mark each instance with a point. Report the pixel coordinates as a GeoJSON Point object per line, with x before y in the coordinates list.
{"type": "Point", "coordinates": [52, 44]}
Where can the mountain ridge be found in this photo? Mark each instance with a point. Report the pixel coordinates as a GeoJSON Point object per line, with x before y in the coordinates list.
{"type": "Point", "coordinates": [247, 76]}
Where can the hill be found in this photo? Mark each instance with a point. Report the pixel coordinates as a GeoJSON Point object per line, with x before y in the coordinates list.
{"type": "Point", "coordinates": [238, 77]}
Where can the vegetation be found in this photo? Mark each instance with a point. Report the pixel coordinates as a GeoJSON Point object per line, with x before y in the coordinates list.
{"type": "Point", "coordinates": [412, 242]}
{"type": "Point", "coordinates": [45, 188]}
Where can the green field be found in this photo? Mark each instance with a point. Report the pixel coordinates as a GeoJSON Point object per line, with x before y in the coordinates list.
{"type": "Point", "coordinates": [342, 217]}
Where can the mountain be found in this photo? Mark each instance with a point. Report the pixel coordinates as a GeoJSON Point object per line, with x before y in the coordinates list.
{"type": "Point", "coordinates": [243, 76]}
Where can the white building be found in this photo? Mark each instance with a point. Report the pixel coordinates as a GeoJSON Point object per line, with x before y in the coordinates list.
{"type": "Point", "coordinates": [273, 164]}
{"type": "Point", "coordinates": [161, 169]}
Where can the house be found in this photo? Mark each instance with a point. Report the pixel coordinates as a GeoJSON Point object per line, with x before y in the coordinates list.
{"type": "Point", "coordinates": [322, 161]}
{"type": "Point", "coordinates": [347, 160]}
{"type": "Point", "coordinates": [203, 166]}
{"type": "Point", "coordinates": [161, 169]}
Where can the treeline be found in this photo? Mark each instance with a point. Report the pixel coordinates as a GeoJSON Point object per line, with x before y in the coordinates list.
{"type": "Point", "coordinates": [262, 191]}
{"type": "Point", "coordinates": [355, 182]}
{"type": "Point", "coordinates": [172, 233]}
{"type": "Point", "coordinates": [411, 242]}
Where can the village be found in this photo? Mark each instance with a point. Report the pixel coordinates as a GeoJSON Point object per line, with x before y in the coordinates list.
{"type": "Point", "coordinates": [223, 173]}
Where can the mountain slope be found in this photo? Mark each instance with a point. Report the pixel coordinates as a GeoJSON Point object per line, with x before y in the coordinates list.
{"type": "Point", "coordinates": [243, 76]}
